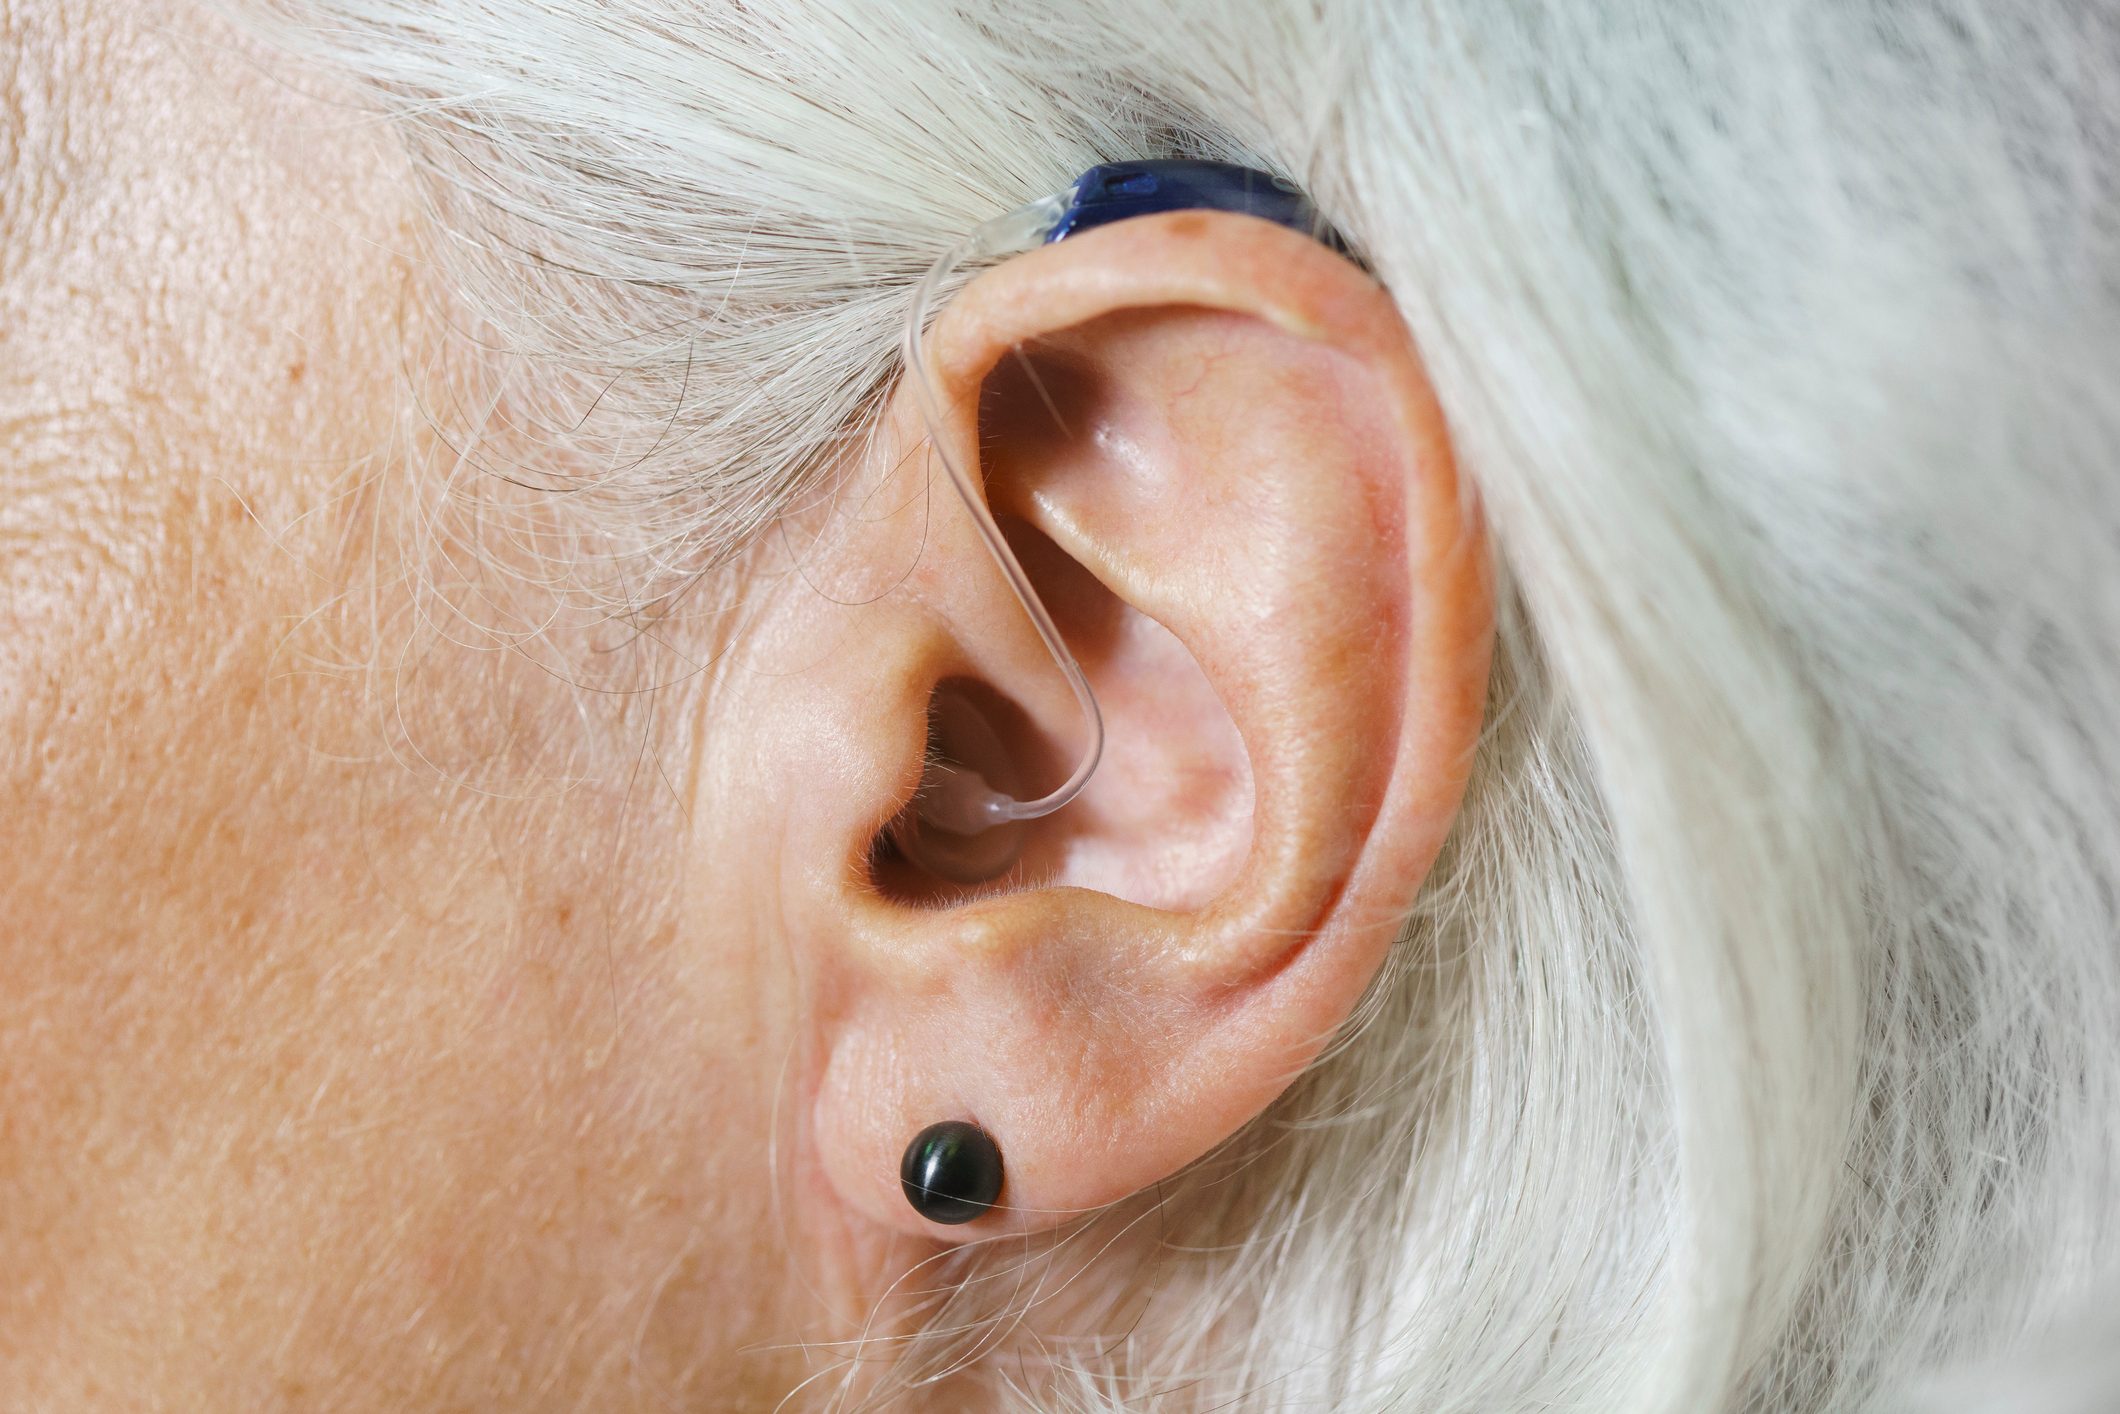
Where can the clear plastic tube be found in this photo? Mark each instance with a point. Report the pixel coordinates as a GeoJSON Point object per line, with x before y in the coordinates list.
{"type": "Point", "coordinates": [955, 798]}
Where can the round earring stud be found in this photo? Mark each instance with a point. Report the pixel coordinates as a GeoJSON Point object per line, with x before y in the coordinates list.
{"type": "Point", "coordinates": [951, 1172]}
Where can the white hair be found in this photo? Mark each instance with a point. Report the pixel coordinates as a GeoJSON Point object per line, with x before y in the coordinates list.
{"type": "Point", "coordinates": [1756, 1043]}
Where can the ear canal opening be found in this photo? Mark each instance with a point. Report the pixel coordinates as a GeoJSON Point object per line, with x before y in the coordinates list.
{"type": "Point", "coordinates": [939, 839]}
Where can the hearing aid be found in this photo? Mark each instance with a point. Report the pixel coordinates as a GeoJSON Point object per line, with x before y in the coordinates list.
{"type": "Point", "coordinates": [955, 802]}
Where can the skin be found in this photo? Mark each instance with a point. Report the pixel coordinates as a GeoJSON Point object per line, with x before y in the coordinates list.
{"type": "Point", "coordinates": [392, 1023]}
{"type": "Point", "coordinates": [330, 1082]}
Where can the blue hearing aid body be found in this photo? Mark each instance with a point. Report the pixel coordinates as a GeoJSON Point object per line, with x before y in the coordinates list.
{"type": "Point", "coordinates": [1118, 191]}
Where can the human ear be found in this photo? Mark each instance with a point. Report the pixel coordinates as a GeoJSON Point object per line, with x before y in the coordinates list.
{"type": "Point", "coordinates": [1215, 450]}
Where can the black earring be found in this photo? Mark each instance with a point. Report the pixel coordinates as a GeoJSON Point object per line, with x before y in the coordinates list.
{"type": "Point", "coordinates": [951, 1172]}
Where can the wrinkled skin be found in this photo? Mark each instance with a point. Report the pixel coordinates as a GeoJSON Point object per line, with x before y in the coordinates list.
{"type": "Point", "coordinates": [341, 1066]}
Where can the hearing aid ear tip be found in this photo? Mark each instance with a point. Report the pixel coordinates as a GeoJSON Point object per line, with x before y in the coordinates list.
{"type": "Point", "coordinates": [957, 799]}
{"type": "Point", "coordinates": [956, 849]}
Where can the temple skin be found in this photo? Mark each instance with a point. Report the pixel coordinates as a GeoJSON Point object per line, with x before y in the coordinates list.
{"type": "Point", "coordinates": [342, 1069]}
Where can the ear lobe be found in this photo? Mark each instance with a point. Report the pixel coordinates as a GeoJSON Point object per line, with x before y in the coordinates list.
{"type": "Point", "coordinates": [1232, 486]}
